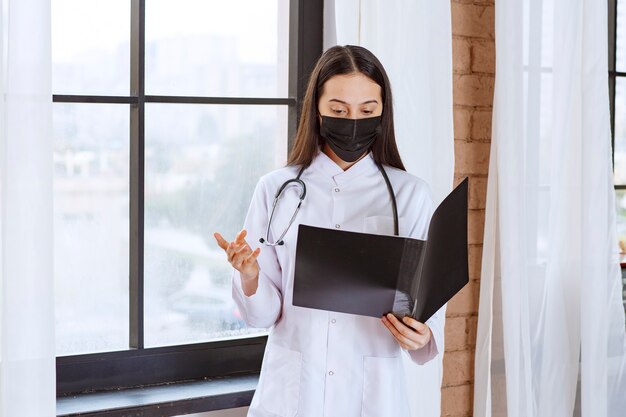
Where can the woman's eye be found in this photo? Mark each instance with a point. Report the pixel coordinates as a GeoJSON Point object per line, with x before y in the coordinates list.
{"type": "Point", "coordinates": [367, 111]}
{"type": "Point", "coordinates": [338, 111]}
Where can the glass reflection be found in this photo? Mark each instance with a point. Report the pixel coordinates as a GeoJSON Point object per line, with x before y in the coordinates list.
{"type": "Point", "coordinates": [91, 224]}
{"type": "Point", "coordinates": [202, 164]}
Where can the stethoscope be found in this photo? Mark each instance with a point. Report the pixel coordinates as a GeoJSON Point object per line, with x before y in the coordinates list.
{"type": "Point", "coordinates": [302, 186]}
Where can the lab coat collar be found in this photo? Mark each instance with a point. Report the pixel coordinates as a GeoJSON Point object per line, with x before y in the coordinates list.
{"type": "Point", "coordinates": [322, 162]}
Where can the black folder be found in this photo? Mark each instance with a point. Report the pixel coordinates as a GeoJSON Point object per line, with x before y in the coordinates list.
{"type": "Point", "coordinates": [371, 275]}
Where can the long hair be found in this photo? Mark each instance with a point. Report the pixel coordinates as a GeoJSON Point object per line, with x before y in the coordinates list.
{"type": "Point", "coordinates": [344, 60]}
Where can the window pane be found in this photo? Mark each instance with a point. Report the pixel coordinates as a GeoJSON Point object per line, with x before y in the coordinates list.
{"type": "Point", "coordinates": [91, 47]}
{"type": "Point", "coordinates": [620, 43]}
{"type": "Point", "coordinates": [217, 48]}
{"type": "Point", "coordinates": [202, 164]}
{"type": "Point", "coordinates": [620, 131]}
{"type": "Point", "coordinates": [91, 227]}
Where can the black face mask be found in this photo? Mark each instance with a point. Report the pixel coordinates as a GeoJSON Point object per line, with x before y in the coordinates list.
{"type": "Point", "coordinates": [350, 138]}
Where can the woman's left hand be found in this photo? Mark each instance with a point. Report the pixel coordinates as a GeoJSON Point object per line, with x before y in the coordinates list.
{"type": "Point", "coordinates": [410, 333]}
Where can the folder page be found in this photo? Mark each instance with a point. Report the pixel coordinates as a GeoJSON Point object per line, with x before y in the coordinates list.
{"type": "Point", "coordinates": [371, 275]}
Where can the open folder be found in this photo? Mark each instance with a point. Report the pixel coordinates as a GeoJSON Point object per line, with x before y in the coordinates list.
{"type": "Point", "coordinates": [371, 275]}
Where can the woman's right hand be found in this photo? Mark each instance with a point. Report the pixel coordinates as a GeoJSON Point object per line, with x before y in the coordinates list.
{"type": "Point", "coordinates": [240, 255]}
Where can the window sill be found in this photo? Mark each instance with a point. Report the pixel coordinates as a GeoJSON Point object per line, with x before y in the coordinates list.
{"type": "Point", "coordinates": [163, 400]}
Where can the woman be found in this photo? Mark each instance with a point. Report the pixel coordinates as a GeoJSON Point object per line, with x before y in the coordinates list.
{"type": "Point", "coordinates": [320, 363]}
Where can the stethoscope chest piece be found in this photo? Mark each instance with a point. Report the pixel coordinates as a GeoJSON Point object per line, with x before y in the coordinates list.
{"type": "Point", "coordinates": [298, 182]}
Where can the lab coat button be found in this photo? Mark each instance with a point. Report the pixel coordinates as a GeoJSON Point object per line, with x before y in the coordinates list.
{"type": "Point", "coordinates": [331, 373]}
{"type": "Point", "coordinates": [333, 321]}
{"type": "Point", "coordinates": [336, 190]}
{"type": "Point", "coordinates": [337, 226]}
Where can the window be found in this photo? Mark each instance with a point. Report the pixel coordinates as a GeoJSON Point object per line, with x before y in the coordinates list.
{"type": "Point", "coordinates": [617, 88]}
{"type": "Point", "coordinates": [165, 115]}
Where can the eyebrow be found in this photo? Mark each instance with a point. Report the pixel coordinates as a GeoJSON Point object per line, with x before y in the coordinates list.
{"type": "Point", "coordinates": [343, 102]}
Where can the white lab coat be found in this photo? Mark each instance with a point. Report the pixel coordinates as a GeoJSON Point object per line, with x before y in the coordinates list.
{"type": "Point", "coordinates": [320, 363]}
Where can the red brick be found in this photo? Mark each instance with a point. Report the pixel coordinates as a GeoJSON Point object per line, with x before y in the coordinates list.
{"type": "Point", "coordinates": [457, 401]}
{"type": "Point", "coordinates": [457, 334]}
{"type": "Point", "coordinates": [483, 56]}
{"type": "Point", "coordinates": [473, 90]}
{"type": "Point", "coordinates": [472, 328]}
{"type": "Point", "coordinates": [471, 158]}
{"type": "Point", "coordinates": [462, 123]}
{"type": "Point", "coordinates": [465, 302]}
{"type": "Point", "coordinates": [477, 192]}
{"type": "Point", "coordinates": [458, 368]}
{"type": "Point", "coordinates": [475, 258]}
{"type": "Point", "coordinates": [481, 125]}
{"type": "Point", "coordinates": [461, 55]}
{"type": "Point", "coordinates": [475, 226]}
{"type": "Point", "coordinates": [473, 20]}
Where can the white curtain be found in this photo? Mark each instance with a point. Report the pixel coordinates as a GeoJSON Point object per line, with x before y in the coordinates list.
{"type": "Point", "coordinates": [27, 357]}
{"type": "Point", "coordinates": [413, 41]}
{"type": "Point", "coordinates": [551, 323]}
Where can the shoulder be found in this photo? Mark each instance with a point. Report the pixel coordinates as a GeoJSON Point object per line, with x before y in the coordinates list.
{"type": "Point", "coordinates": [272, 180]}
{"type": "Point", "coordinates": [415, 200]}
{"type": "Point", "coordinates": [407, 183]}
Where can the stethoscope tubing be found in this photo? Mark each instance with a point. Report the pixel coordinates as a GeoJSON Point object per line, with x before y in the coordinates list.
{"type": "Point", "coordinates": [297, 180]}
{"type": "Point", "coordinates": [280, 241]}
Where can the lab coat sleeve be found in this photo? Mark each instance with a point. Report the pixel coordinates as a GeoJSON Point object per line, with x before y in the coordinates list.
{"type": "Point", "coordinates": [262, 309]}
{"type": "Point", "coordinates": [419, 230]}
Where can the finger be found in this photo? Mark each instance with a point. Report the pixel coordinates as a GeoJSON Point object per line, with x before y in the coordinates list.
{"type": "Point", "coordinates": [250, 259]}
{"type": "Point", "coordinates": [418, 339]}
{"type": "Point", "coordinates": [240, 255]}
{"type": "Point", "coordinates": [240, 238]}
{"type": "Point", "coordinates": [398, 336]}
{"type": "Point", "coordinates": [241, 248]}
{"type": "Point", "coordinates": [420, 327]}
{"type": "Point", "coordinates": [401, 327]}
{"type": "Point", "coordinates": [234, 246]}
{"type": "Point", "coordinates": [402, 341]}
{"type": "Point", "coordinates": [253, 256]}
{"type": "Point", "coordinates": [220, 240]}
{"type": "Point", "coordinates": [231, 251]}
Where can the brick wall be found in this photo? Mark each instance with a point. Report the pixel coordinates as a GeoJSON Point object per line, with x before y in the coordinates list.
{"type": "Point", "coordinates": [473, 56]}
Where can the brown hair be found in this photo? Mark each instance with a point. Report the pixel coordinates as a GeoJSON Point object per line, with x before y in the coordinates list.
{"type": "Point", "coordinates": [340, 60]}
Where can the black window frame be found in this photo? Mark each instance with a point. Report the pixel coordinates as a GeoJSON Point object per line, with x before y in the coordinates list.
{"type": "Point", "coordinates": [141, 366]}
{"type": "Point", "coordinates": [613, 74]}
